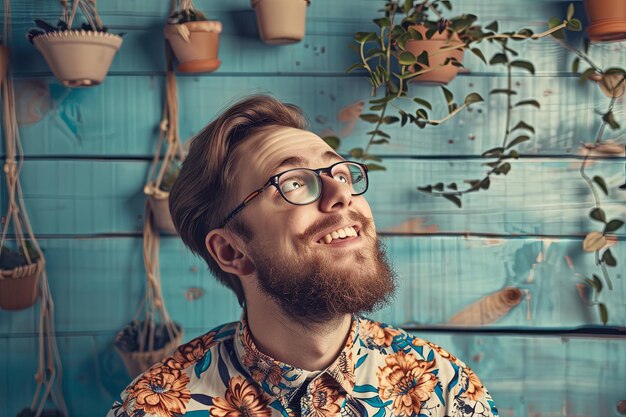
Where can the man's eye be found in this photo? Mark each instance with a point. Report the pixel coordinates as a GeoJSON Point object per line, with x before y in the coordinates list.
{"type": "Point", "coordinates": [291, 185]}
{"type": "Point", "coordinates": [342, 178]}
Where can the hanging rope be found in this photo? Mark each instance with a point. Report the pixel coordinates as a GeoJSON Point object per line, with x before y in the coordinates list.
{"type": "Point", "coordinates": [49, 372]}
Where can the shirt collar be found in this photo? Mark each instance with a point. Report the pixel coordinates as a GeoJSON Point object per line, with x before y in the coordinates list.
{"type": "Point", "coordinates": [279, 379]}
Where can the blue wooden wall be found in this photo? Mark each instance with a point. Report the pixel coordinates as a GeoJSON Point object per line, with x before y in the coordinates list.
{"type": "Point", "coordinates": [88, 153]}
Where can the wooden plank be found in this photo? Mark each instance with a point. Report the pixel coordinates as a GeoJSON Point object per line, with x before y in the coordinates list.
{"type": "Point", "coordinates": [97, 284]}
{"type": "Point", "coordinates": [57, 122]}
{"type": "Point", "coordinates": [553, 376]}
{"type": "Point", "coordinates": [537, 197]}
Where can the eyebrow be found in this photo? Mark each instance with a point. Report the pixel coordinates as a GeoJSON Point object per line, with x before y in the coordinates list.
{"type": "Point", "coordinates": [298, 161]}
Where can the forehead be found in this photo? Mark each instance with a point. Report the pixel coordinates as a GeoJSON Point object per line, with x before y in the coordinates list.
{"type": "Point", "coordinates": [280, 148]}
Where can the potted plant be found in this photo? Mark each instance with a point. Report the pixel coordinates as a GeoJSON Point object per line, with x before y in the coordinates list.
{"type": "Point", "coordinates": [19, 278]}
{"type": "Point", "coordinates": [159, 197]}
{"type": "Point", "coordinates": [607, 20]}
{"type": "Point", "coordinates": [281, 22]}
{"type": "Point", "coordinates": [193, 38]}
{"type": "Point", "coordinates": [78, 57]}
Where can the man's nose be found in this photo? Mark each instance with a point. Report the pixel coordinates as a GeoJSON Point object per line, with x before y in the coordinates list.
{"type": "Point", "coordinates": [335, 194]}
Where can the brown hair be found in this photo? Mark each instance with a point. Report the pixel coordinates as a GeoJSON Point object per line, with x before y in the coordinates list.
{"type": "Point", "coordinates": [203, 194]}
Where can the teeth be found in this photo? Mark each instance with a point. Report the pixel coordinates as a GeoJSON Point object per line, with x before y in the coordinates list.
{"type": "Point", "coordinates": [339, 234]}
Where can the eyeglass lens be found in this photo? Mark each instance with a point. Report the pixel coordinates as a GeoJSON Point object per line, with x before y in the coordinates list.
{"type": "Point", "coordinates": [302, 186]}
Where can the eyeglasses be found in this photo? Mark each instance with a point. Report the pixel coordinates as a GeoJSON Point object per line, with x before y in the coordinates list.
{"type": "Point", "coordinates": [301, 186]}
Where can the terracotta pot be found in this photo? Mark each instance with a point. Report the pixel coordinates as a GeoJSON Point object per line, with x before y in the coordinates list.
{"type": "Point", "coordinates": [5, 56]}
{"type": "Point", "coordinates": [138, 362]}
{"type": "Point", "coordinates": [195, 45]}
{"type": "Point", "coordinates": [607, 20]}
{"type": "Point", "coordinates": [78, 58]}
{"type": "Point", "coordinates": [441, 74]}
{"type": "Point", "coordinates": [19, 287]}
{"type": "Point", "coordinates": [281, 21]}
{"type": "Point", "coordinates": [159, 200]}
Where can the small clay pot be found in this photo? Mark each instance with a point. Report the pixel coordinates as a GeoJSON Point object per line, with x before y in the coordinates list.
{"type": "Point", "coordinates": [19, 287]}
{"type": "Point", "coordinates": [441, 74]}
{"type": "Point", "coordinates": [607, 20]}
{"type": "Point", "coordinates": [159, 200]}
{"type": "Point", "coordinates": [281, 22]}
{"type": "Point", "coordinates": [78, 58]}
{"type": "Point", "coordinates": [195, 44]}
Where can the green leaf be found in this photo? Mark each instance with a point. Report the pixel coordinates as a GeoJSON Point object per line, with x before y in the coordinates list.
{"type": "Point", "coordinates": [601, 183]}
{"type": "Point", "coordinates": [479, 54]}
{"type": "Point", "coordinates": [503, 169]}
{"type": "Point", "coordinates": [452, 186]}
{"type": "Point", "coordinates": [503, 91]}
{"type": "Point", "coordinates": [613, 225]}
{"type": "Point", "coordinates": [525, 65]}
{"type": "Point", "coordinates": [607, 258]}
{"type": "Point", "coordinates": [585, 75]}
{"type": "Point", "coordinates": [473, 98]}
{"type": "Point", "coordinates": [517, 141]}
{"type": "Point", "coordinates": [421, 114]}
{"type": "Point", "coordinates": [609, 118]}
{"type": "Point", "coordinates": [527, 33]}
{"type": "Point", "coordinates": [406, 58]}
{"type": "Point", "coordinates": [427, 189]}
{"type": "Point", "coordinates": [484, 184]}
{"type": "Point", "coordinates": [438, 186]}
{"type": "Point", "coordinates": [597, 283]}
{"type": "Point", "coordinates": [379, 142]}
{"type": "Point", "coordinates": [553, 22]}
{"type": "Point", "coordinates": [575, 64]}
{"type": "Point", "coordinates": [604, 313]}
{"type": "Point", "coordinates": [575, 25]}
{"type": "Point", "coordinates": [356, 152]}
{"type": "Point", "coordinates": [375, 167]}
{"type": "Point", "coordinates": [407, 6]}
{"type": "Point", "coordinates": [382, 22]}
{"type": "Point", "coordinates": [493, 26]}
{"type": "Point", "coordinates": [498, 58]}
{"type": "Point", "coordinates": [332, 141]}
{"type": "Point", "coordinates": [378, 133]}
{"type": "Point", "coordinates": [494, 152]}
{"type": "Point", "coordinates": [570, 11]}
{"type": "Point", "coordinates": [523, 125]}
{"type": "Point", "coordinates": [513, 154]}
{"type": "Point", "coordinates": [370, 118]}
{"type": "Point", "coordinates": [403, 118]}
{"type": "Point", "coordinates": [447, 94]}
{"type": "Point", "coordinates": [423, 102]}
{"type": "Point", "coordinates": [451, 197]}
{"type": "Point", "coordinates": [598, 214]}
{"type": "Point", "coordinates": [447, 4]}
{"type": "Point", "coordinates": [533, 103]}
{"type": "Point", "coordinates": [422, 59]}
{"type": "Point", "coordinates": [363, 37]}
{"type": "Point", "coordinates": [388, 120]}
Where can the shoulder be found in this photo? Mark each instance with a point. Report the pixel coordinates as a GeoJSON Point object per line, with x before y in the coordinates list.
{"type": "Point", "coordinates": [165, 388]}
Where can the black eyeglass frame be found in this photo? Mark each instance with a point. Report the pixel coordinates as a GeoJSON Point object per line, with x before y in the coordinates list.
{"type": "Point", "coordinates": [273, 180]}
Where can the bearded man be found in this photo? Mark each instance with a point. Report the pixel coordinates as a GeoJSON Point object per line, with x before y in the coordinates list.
{"type": "Point", "coordinates": [281, 219]}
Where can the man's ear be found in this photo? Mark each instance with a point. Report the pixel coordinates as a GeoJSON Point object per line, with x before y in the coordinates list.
{"type": "Point", "coordinates": [226, 250]}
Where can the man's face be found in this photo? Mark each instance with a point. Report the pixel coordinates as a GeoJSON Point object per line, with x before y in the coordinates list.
{"type": "Point", "coordinates": [309, 278]}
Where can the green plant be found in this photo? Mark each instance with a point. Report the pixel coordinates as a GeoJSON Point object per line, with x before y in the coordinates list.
{"type": "Point", "coordinates": [65, 23]}
{"type": "Point", "coordinates": [612, 82]}
{"type": "Point", "coordinates": [170, 176]}
{"type": "Point", "coordinates": [10, 259]}
{"type": "Point", "coordinates": [390, 67]}
{"type": "Point", "coordinates": [185, 12]}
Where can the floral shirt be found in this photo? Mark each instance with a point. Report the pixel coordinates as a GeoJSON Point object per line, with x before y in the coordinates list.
{"type": "Point", "coordinates": [381, 372]}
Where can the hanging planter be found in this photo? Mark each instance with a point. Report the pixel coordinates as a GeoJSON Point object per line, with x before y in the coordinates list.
{"type": "Point", "coordinates": [193, 38]}
{"type": "Point", "coordinates": [77, 57]}
{"type": "Point", "coordinates": [19, 280]}
{"type": "Point", "coordinates": [607, 20]}
{"type": "Point", "coordinates": [143, 343]}
{"type": "Point", "coordinates": [281, 21]}
{"type": "Point", "coordinates": [441, 47]}
{"type": "Point", "coordinates": [159, 200]}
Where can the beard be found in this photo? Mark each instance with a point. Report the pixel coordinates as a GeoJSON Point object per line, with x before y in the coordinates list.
{"type": "Point", "coordinates": [315, 288]}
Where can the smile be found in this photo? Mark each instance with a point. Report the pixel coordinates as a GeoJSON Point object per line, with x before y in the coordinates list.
{"type": "Point", "coordinates": [339, 234]}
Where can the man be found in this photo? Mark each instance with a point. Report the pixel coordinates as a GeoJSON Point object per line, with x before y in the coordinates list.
{"type": "Point", "coordinates": [280, 218]}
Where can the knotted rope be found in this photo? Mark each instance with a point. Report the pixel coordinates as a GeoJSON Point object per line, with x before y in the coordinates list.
{"type": "Point", "coordinates": [50, 369]}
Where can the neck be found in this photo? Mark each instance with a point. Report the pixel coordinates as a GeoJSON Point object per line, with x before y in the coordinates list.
{"type": "Point", "coordinates": [310, 347]}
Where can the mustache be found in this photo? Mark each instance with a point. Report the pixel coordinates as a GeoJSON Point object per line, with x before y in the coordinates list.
{"type": "Point", "coordinates": [336, 221]}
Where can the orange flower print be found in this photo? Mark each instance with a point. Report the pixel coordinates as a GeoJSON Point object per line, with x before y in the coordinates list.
{"type": "Point", "coordinates": [441, 351]}
{"type": "Point", "coordinates": [260, 369]}
{"type": "Point", "coordinates": [382, 336]}
{"type": "Point", "coordinates": [193, 351]}
{"type": "Point", "coordinates": [475, 388]}
{"type": "Point", "coordinates": [242, 399]}
{"type": "Point", "coordinates": [406, 380]}
{"type": "Point", "coordinates": [325, 396]}
{"type": "Point", "coordinates": [161, 391]}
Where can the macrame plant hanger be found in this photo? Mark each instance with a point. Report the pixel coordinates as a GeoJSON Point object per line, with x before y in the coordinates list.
{"type": "Point", "coordinates": [152, 309]}
{"type": "Point", "coordinates": [49, 372]}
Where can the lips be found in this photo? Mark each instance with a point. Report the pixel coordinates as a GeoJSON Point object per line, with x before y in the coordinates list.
{"type": "Point", "coordinates": [339, 234]}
